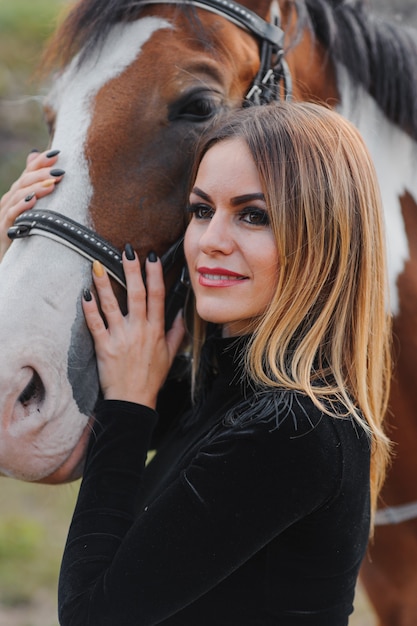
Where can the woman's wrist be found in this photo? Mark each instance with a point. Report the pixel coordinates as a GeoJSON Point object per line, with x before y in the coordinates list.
{"type": "Point", "coordinates": [133, 397]}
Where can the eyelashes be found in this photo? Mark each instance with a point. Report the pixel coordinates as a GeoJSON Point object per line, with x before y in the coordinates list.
{"type": "Point", "coordinates": [200, 211]}
{"type": "Point", "coordinates": [254, 216]}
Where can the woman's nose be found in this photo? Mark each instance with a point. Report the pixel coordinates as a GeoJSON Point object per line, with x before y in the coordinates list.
{"type": "Point", "coordinates": [217, 236]}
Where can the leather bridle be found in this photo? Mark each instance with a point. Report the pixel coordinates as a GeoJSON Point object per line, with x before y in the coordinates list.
{"type": "Point", "coordinates": [273, 72]}
{"type": "Point", "coordinates": [82, 240]}
{"type": "Point", "coordinates": [92, 246]}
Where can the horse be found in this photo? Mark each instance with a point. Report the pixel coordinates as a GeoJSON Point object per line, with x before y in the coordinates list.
{"type": "Point", "coordinates": [135, 85]}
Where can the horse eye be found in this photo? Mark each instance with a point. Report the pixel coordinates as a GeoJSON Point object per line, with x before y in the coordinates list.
{"type": "Point", "coordinates": [199, 108]}
{"type": "Point", "coordinates": [195, 108]}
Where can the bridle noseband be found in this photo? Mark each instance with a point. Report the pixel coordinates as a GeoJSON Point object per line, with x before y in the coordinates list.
{"type": "Point", "coordinates": [265, 88]}
{"type": "Point", "coordinates": [92, 246]}
{"type": "Point", "coordinates": [81, 239]}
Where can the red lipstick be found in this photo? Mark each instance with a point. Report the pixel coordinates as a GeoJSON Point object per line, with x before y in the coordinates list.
{"type": "Point", "coordinates": [219, 277]}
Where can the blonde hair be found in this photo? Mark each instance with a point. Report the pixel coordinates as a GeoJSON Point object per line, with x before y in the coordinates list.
{"type": "Point", "coordinates": [326, 332]}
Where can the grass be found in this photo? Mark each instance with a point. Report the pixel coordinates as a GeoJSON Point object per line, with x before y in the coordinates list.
{"type": "Point", "coordinates": [25, 26]}
{"type": "Point", "coordinates": [33, 524]}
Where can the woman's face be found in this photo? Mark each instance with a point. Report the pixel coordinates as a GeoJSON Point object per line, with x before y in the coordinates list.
{"type": "Point", "coordinates": [229, 245]}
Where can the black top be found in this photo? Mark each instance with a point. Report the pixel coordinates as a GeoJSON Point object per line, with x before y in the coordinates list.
{"type": "Point", "coordinates": [262, 520]}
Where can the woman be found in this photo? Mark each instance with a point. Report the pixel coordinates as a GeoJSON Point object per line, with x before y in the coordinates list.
{"type": "Point", "coordinates": [256, 508]}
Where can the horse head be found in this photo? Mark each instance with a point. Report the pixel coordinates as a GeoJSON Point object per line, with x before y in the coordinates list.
{"type": "Point", "coordinates": [126, 110]}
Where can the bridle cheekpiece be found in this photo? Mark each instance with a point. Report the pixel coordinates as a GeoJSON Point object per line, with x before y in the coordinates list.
{"type": "Point", "coordinates": [273, 70]}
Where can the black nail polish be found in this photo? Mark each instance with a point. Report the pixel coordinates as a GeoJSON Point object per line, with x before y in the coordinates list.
{"type": "Point", "coordinates": [29, 197]}
{"type": "Point", "coordinates": [52, 153]}
{"type": "Point", "coordinates": [129, 252]}
{"type": "Point", "coordinates": [87, 295]}
{"type": "Point", "coordinates": [152, 257]}
{"type": "Point", "coordinates": [57, 172]}
{"type": "Point", "coordinates": [33, 150]}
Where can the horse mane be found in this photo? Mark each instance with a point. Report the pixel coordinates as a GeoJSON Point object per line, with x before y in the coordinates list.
{"type": "Point", "coordinates": [84, 28]}
{"type": "Point", "coordinates": [87, 25]}
{"type": "Point", "coordinates": [378, 54]}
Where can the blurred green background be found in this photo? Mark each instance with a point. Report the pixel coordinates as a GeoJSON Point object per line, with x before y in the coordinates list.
{"type": "Point", "coordinates": [25, 25]}
{"type": "Point", "coordinates": [34, 518]}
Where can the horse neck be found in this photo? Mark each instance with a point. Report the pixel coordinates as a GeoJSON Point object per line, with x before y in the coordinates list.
{"type": "Point", "coordinates": [312, 70]}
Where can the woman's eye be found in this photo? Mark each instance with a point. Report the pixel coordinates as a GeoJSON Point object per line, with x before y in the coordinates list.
{"type": "Point", "coordinates": [201, 211]}
{"type": "Point", "coordinates": [258, 217]}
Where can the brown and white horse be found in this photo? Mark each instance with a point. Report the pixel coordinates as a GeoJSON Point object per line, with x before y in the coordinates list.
{"type": "Point", "coordinates": [137, 83]}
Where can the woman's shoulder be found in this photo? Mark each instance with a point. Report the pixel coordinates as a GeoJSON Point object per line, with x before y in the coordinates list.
{"type": "Point", "coordinates": [285, 436]}
{"type": "Point", "coordinates": [285, 418]}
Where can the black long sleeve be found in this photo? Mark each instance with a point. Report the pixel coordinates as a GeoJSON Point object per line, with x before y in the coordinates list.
{"type": "Point", "coordinates": [264, 523]}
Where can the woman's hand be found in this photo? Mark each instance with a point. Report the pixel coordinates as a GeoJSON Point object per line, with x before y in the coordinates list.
{"type": "Point", "coordinates": [37, 180]}
{"type": "Point", "coordinates": [133, 352]}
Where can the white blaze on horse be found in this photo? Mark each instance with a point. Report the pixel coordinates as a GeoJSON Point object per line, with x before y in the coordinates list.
{"type": "Point", "coordinates": [137, 84]}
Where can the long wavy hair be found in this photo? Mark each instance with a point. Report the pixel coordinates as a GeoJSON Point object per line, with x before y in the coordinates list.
{"type": "Point", "coordinates": [326, 332]}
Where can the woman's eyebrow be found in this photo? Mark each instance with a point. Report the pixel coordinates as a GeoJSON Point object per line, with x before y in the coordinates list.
{"type": "Point", "coordinates": [237, 200]}
{"type": "Point", "coordinates": [247, 197]}
{"type": "Point", "coordinates": [201, 194]}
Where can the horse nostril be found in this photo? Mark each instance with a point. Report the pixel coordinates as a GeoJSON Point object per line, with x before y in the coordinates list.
{"type": "Point", "coordinates": [34, 391]}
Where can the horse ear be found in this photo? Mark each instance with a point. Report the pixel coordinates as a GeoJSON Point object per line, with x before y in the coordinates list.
{"type": "Point", "coordinates": [275, 13]}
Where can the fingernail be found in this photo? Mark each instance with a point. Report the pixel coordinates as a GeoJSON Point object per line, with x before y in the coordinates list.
{"type": "Point", "coordinates": [33, 150]}
{"type": "Point", "coordinates": [152, 257]}
{"type": "Point", "coordinates": [29, 197]}
{"type": "Point", "coordinates": [129, 252]}
{"type": "Point", "coordinates": [49, 182]}
{"type": "Point", "coordinates": [98, 269]}
{"type": "Point", "coordinates": [57, 172]}
{"type": "Point", "coordinates": [87, 295]}
{"type": "Point", "coordinates": [52, 153]}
